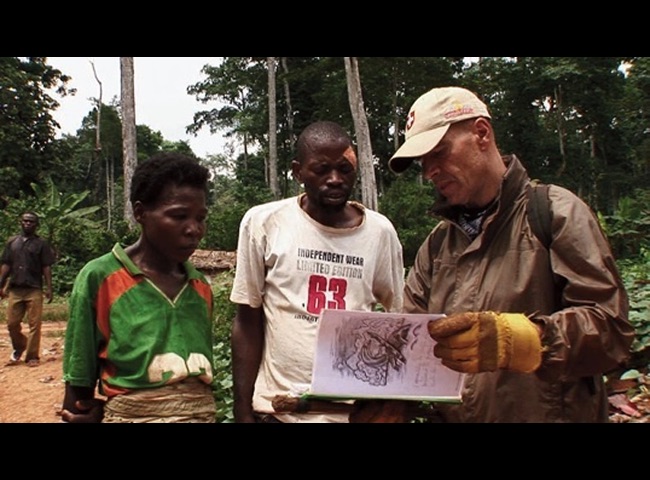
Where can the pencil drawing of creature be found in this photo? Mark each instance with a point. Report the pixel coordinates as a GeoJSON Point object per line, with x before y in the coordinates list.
{"type": "Point", "coordinates": [372, 350]}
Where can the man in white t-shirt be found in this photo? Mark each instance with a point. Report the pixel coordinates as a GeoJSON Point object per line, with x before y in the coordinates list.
{"type": "Point", "coordinates": [297, 256]}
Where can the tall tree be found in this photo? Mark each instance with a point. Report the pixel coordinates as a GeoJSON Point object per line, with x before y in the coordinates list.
{"type": "Point", "coordinates": [89, 167]}
{"type": "Point", "coordinates": [239, 85]}
{"type": "Point", "coordinates": [97, 153]}
{"type": "Point", "coordinates": [366, 166]}
{"type": "Point", "coordinates": [291, 135]}
{"type": "Point", "coordinates": [272, 166]}
{"type": "Point", "coordinates": [130, 151]}
{"type": "Point", "coordinates": [635, 119]}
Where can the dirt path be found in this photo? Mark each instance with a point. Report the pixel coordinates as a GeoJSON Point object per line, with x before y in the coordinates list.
{"type": "Point", "coordinates": [32, 394]}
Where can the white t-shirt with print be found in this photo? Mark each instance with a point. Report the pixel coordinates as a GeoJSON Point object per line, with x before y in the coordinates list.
{"type": "Point", "coordinates": [294, 267]}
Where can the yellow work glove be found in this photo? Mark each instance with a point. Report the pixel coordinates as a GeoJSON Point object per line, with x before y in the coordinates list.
{"type": "Point", "coordinates": [475, 342]}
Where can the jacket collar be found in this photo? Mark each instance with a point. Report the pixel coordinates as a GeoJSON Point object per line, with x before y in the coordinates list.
{"type": "Point", "coordinates": [514, 182]}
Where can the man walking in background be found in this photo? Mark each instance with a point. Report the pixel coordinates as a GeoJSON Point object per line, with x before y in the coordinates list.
{"type": "Point", "coordinates": [26, 260]}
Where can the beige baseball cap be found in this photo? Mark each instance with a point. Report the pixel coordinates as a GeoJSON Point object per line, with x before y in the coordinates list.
{"type": "Point", "coordinates": [429, 119]}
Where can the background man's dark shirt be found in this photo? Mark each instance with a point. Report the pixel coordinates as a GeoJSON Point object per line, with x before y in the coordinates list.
{"type": "Point", "coordinates": [26, 256]}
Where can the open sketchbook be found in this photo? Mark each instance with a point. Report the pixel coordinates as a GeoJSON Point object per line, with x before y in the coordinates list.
{"type": "Point", "coordinates": [380, 355]}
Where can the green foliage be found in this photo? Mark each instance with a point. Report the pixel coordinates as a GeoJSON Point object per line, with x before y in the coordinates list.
{"type": "Point", "coordinates": [407, 203]}
{"type": "Point", "coordinates": [57, 210]}
{"type": "Point", "coordinates": [636, 278]}
{"type": "Point", "coordinates": [628, 228]}
{"type": "Point", "coordinates": [27, 127]}
{"type": "Point", "coordinates": [10, 215]}
{"type": "Point", "coordinates": [633, 374]}
{"type": "Point", "coordinates": [223, 225]}
{"type": "Point", "coordinates": [233, 199]}
{"type": "Point", "coordinates": [64, 272]}
{"type": "Point", "coordinates": [628, 231]}
{"type": "Point", "coordinates": [224, 314]}
{"type": "Point", "coordinates": [78, 245]}
{"type": "Point", "coordinates": [149, 142]}
{"type": "Point", "coordinates": [180, 146]}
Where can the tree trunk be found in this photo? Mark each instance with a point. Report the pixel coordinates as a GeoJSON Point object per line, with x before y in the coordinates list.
{"type": "Point", "coordinates": [98, 150]}
{"type": "Point", "coordinates": [366, 166]}
{"type": "Point", "coordinates": [289, 112]}
{"type": "Point", "coordinates": [129, 145]}
{"type": "Point", "coordinates": [273, 128]}
{"type": "Point", "coordinates": [559, 105]}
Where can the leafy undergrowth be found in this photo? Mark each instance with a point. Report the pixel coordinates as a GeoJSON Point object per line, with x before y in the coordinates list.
{"type": "Point", "coordinates": [629, 393]}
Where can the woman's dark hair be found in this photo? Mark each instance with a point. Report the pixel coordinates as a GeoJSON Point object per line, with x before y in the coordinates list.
{"type": "Point", "coordinates": [162, 169]}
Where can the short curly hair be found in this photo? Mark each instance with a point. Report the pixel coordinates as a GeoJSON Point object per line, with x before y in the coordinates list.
{"type": "Point", "coordinates": [323, 131]}
{"type": "Point", "coordinates": [162, 169]}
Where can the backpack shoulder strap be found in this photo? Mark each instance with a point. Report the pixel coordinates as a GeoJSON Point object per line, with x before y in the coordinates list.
{"type": "Point", "coordinates": [539, 211]}
{"type": "Point", "coordinates": [539, 214]}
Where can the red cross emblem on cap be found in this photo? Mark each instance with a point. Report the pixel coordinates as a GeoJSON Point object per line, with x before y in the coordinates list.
{"type": "Point", "coordinates": [410, 120]}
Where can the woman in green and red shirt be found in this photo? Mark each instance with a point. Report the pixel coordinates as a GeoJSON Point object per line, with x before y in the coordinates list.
{"type": "Point", "coordinates": [140, 327]}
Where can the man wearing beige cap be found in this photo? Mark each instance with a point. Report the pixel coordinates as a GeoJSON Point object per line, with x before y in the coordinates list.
{"type": "Point", "coordinates": [533, 327]}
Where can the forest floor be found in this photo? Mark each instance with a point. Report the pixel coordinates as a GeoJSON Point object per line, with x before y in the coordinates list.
{"type": "Point", "coordinates": [33, 394]}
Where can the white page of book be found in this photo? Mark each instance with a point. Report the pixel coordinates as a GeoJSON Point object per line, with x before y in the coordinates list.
{"type": "Point", "coordinates": [380, 355]}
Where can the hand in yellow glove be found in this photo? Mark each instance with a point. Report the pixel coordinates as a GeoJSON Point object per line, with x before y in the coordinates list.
{"type": "Point", "coordinates": [380, 411]}
{"type": "Point", "coordinates": [475, 342]}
